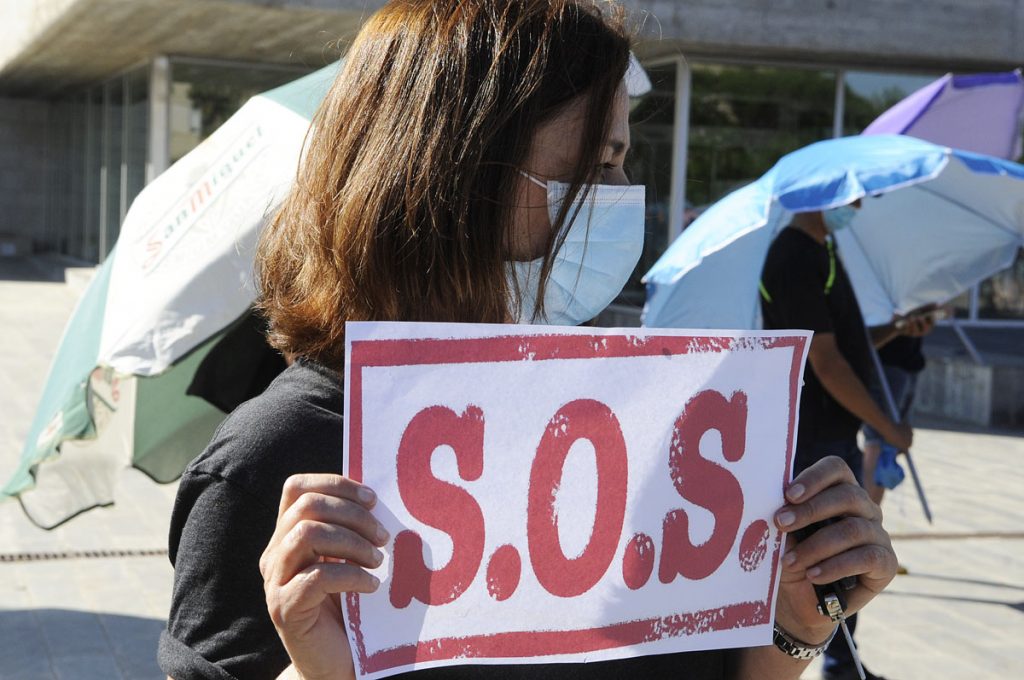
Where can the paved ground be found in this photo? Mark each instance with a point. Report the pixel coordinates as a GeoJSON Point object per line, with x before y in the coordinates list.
{"type": "Point", "coordinates": [70, 618]}
{"type": "Point", "coordinates": [959, 614]}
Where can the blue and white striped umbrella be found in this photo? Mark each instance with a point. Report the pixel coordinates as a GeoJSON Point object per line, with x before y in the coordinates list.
{"type": "Point", "coordinates": [934, 222]}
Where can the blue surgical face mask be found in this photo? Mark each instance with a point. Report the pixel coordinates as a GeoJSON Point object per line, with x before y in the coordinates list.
{"type": "Point", "coordinates": [839, 218]}
{"type": "Point", "coordinates": [601, 248]}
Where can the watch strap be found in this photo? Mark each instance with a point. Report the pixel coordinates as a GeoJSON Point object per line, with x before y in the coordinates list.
{"type": "Point", "coordinates": [798, 649]}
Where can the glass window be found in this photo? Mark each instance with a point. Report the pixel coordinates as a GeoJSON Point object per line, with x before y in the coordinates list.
{"type": "Point", "coordinates": [203, 96]}
{"type": "Point", "coordinates": [136, 123]}
{"type": "Point", "coordinates": [108, 168]}
{"type": "Point", "coordinates": [650, 163]}
{"type": "Point", "coordinates": [869, 94]}
{"type": "Point", "coordinates": [74, 172]}
{"type": "Point", "coordinates": [63, 211]}
{"type": "Point", "coordinates": [110, 175]}
{"type": "Point", "coordinates": [744, 118]}
{"type": "Point", "coordinates": [93, 175]}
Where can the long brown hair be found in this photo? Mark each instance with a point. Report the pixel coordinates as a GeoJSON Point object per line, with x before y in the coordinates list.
{"type": "Point", "coordinates": [405, 191]}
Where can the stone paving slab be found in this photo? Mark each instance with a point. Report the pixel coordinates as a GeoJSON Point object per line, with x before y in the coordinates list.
{"type": "Point", "coordinates": [958, 614]}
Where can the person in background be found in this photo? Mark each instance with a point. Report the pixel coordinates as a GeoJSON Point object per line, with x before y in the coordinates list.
{"type": "Point", "coordinates": [463, 143]}
{"type": "Point", "coordinates": [804, 285]}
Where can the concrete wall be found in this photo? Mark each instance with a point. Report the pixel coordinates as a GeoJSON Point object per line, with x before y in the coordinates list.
{"type": "Point", "coordinates": [955, 389]}
{"type": "Point", "coordinates": [21, 21]}
{"type": "Point", "coordinates": [942, 34]}
{"type": "Point", "coordinates": [23, 169]}
{"type": "Point", "coordinates": [959, 390]}
{"type": "Point", "coordinates": [49, 44]}
{"type": "Point", "coordinates": [66, 52]}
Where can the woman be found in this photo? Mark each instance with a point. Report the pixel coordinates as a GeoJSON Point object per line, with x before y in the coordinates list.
{"type": "Point", "coordinates": [432, 189]}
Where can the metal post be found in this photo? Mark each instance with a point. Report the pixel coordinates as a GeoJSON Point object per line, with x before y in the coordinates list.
{"type": "Point", "coordinates": [104, 171]}
{"type": "Point", "coordinates": [681, 129]}
{"type": "Point", "coordinates": [125, 149]}
{"type": "Point", "coordinates": [159, 117]}
{"type": "Point", "coordinates": [89, 188]}
{"type": "Point", "coordinates": [838, 126]}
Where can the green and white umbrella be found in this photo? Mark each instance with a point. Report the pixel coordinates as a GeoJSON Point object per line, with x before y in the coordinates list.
{"type": "Point", "coordinates": [177, 284]}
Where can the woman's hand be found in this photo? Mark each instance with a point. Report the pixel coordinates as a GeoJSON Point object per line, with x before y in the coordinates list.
{"type": "Point", "coordinates": [322, 520]}
{"type": "Point", "coordinates": [857, 545]}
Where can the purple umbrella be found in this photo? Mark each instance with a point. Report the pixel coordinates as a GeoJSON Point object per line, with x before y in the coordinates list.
{"type": "Point", "coordinates": [981, 112]}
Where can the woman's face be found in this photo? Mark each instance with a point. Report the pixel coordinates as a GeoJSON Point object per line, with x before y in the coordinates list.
{"type": "Point", "coordinates": [553, 156]}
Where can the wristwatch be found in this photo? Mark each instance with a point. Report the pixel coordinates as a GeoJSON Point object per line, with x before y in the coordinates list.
{"type": "Point", "coordinates": [797, 649]}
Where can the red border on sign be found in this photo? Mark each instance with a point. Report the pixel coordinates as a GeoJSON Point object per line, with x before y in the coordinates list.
{"type": "Point", "coordinates": [522, 644]}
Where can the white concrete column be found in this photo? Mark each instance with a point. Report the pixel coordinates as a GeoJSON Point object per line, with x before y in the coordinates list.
{"type": "Point", "coordinates": [840, 109]}
{"type": "Point", "coordinates": [159, 117]}
{"type": "Point", "coordinates": [105, 178]}
{"type": "Point", "coordinates": [681, 129]}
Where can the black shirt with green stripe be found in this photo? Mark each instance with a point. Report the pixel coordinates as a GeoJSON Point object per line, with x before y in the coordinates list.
{"type": "Point", "coordinates": [805, 286]}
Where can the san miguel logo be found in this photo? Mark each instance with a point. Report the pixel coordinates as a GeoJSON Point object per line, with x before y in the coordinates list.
{"type": "Point", "coordinates": [169, 230]}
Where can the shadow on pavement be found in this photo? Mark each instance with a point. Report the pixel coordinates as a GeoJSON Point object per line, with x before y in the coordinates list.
{"type": "Point", "coordinates": [37, 644]}
{"type": "Point", "coordinates": [1019, 606]}
{"type": "Point", "coordinates": [957, 579]}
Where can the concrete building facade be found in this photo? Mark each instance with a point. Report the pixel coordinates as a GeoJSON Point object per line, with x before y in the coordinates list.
{"type": "Point", "coordinates": [97, 97]}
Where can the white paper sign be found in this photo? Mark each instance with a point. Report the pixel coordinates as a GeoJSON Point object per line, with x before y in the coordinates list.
{"type": "Point", "coordinates": [567, 494]}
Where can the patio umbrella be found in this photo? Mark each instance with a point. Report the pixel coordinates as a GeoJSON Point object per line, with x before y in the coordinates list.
{"type": "Point", "coordinates": [934, 222]}
{"type": "Point", "coordinates": [980, 112]}
{"type": "Point", "coordinates": [172, 296]}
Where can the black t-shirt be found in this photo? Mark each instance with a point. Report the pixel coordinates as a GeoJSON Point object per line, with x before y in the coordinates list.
{"type": "Point", "coordinates": [796, 274]}
{"type": "Point", "coordinates": [903, 352]}
{"type": "Point", "coordinates": [224, 516]}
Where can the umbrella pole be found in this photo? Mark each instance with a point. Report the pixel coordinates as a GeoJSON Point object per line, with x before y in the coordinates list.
{"type": "Point", "coordinates": [895, 415]}
{"type": "Point", "coordinates": [920, 489]}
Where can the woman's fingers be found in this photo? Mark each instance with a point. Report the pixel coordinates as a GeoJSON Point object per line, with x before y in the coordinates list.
{"type": "Point", "coordinates": [320, 507]}
{"type": "Point", "coordinates": [306, 591]}
{"type": "Point", "coordinates": [874, 563]}
{"type": "Point", "coordinates": [309, 540]}
{"type": "Point", "coordinates": [842, 499]}
{"type": "Point", "coordinates": [835, 539]}
{"type": "Point", "coordinates": [320, 499]}
{"type": "Point", "coordinates": [330, 485]}
{"type": "Point", "coordinates": [827, 472]}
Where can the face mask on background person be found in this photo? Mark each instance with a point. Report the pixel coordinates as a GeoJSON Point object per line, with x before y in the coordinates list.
{"type": "Point", "coordinates": [839, 218]}
{"type": "Point", "coordinates": [601, 248]}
